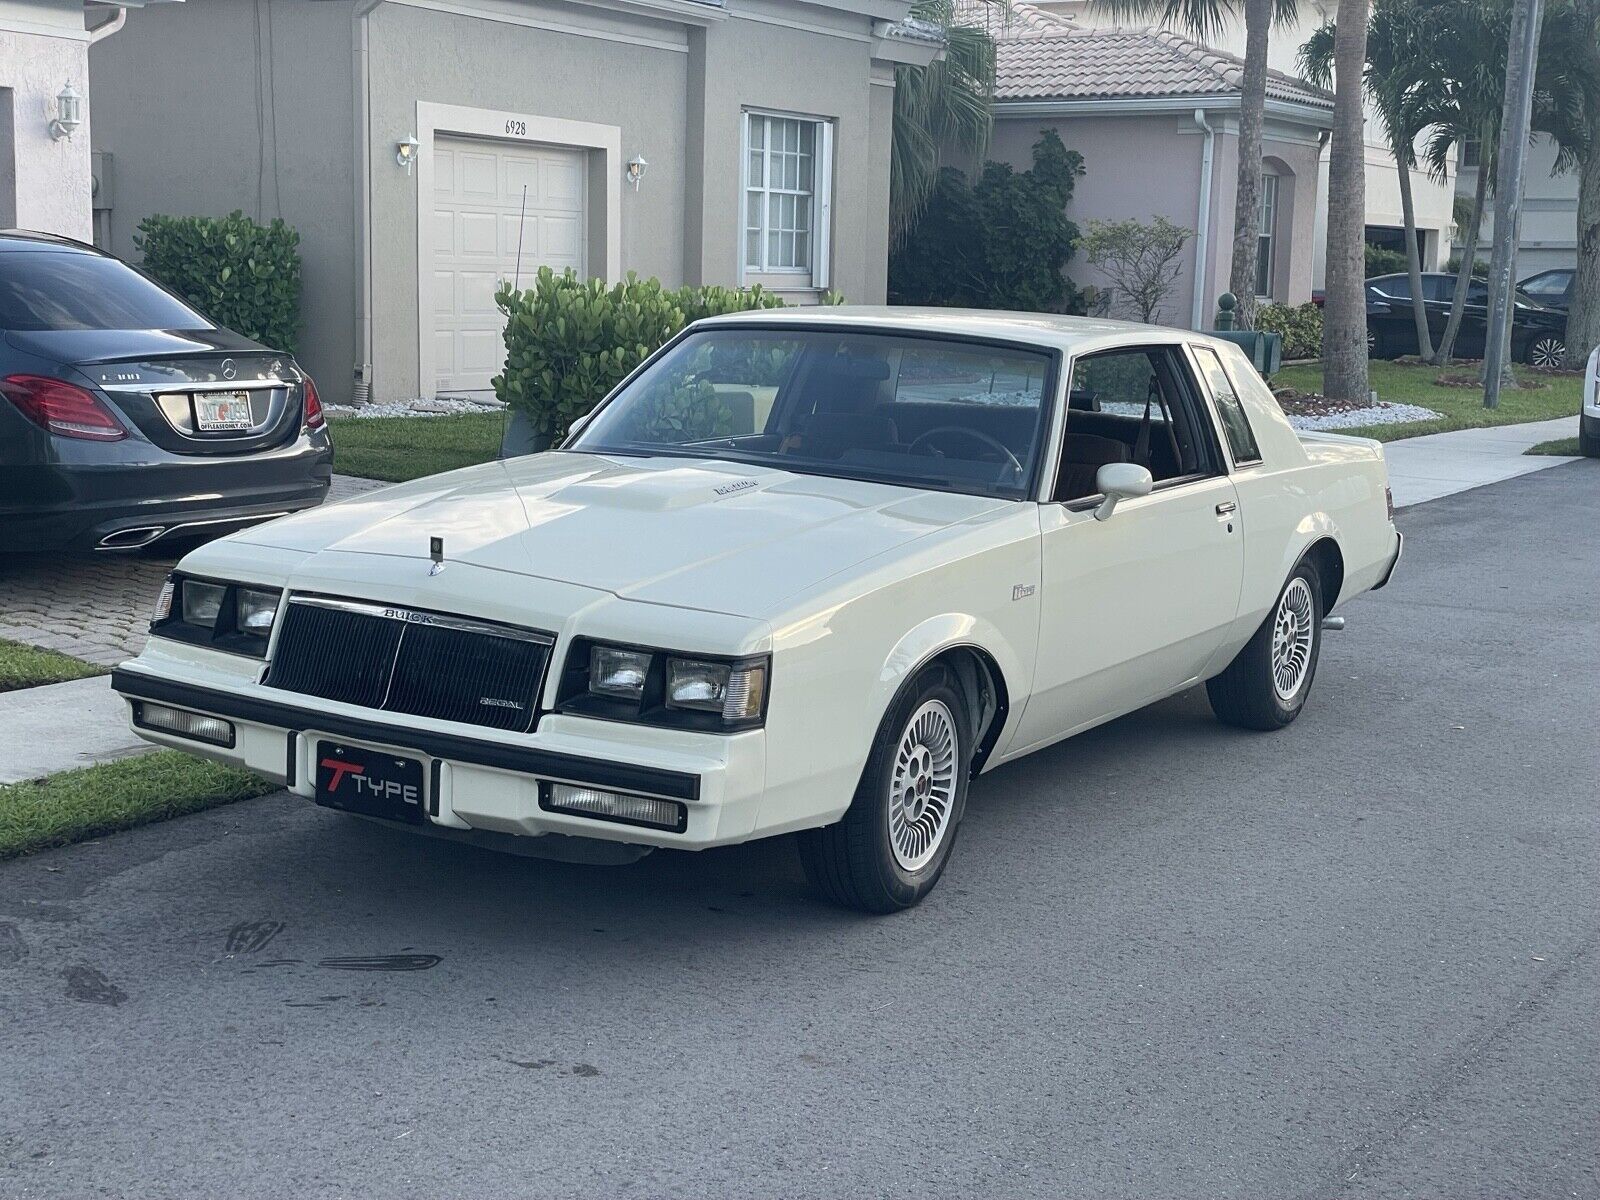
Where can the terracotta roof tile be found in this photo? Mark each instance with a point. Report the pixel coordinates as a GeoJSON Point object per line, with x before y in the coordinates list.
{"type": "Point", "coordinates": [1067, 63]}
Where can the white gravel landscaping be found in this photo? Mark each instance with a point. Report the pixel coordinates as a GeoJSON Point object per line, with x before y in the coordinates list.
{"type": "Point", "coordinates": [1376, 414]}
{"type": "Point", "coordinates": [441, 407]}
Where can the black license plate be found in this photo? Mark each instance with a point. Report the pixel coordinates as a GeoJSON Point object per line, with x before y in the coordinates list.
{"type": "Point", "coordinates": [359, 780]}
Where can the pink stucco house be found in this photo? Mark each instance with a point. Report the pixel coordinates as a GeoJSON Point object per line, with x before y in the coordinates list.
{"type": "Point", "coordinates": [1155, 117]}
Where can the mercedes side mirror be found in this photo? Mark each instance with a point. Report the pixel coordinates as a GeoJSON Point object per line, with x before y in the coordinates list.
{"type": "Point", "coordinates": [1118, 482]}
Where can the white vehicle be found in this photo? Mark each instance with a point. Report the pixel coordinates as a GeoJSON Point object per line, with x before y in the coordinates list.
{"type": "Point", "coordinates": [806, 571]}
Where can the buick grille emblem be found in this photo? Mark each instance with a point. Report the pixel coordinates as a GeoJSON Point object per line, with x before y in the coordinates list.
{"type": "Point", "coordinates": [228, 369]}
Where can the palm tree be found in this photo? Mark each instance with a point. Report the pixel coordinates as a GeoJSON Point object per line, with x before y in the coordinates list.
{"type": "Point", "coordinates": [1569, 53]}
{"type": "Point", "coordinates": [1344, 312]}
{"type": "Point", "coordinates": [1405, 92]}
{"type": "Point", "coordinates": [1204, 20]}
{"type": "Point", "coordinates": [945, 106]}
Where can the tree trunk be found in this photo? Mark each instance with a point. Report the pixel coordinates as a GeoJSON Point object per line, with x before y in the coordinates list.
{"type": "Point", "coordinates": [1469, 255]}
{"type": "Point", "coordinates": [1583, 313]}
{"type": "Point", "coordinates": [1247, 191]}
{"type": "Point", "coordinates": [1344, 320]}
{"type": "Point", "coordinates": [1408, 217]}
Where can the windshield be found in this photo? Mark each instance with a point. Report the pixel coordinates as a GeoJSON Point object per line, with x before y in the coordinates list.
{"type": "Point", "coordinates": [40, 290]}
{"type": "Point", "coordinates": [919, 411]}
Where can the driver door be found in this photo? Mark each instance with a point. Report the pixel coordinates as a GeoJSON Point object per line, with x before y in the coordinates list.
{"type": "Point", "coordinates": [1136, 606]}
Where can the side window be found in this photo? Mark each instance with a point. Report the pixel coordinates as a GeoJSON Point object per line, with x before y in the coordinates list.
{"type": "Point", "coordinates": [1235, 422]}
{"type": "Point", "coordinates": [1396, 287]}
{"type": "Point", "coordinates": [1477, 292]}
{"type": "Point", "coordinates": [1441, 288]}
{"type": "Point", "coordinates": [1135, 405]}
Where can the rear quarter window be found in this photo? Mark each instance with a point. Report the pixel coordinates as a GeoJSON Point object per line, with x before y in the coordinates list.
{"type": "Point", "coordinates": [1230, 409]}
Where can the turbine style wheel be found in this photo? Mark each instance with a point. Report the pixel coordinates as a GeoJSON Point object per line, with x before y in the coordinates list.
{"type": "Point", "coordinates": [1546, 350]}
{"type": "Point", "coordinates": [1266, 685]}
{"type": "Point", "coordinates": [895, 839]}
{"type": "Point", "coordinates": [1293, 638]}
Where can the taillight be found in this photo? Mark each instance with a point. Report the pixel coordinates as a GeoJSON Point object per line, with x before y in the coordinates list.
{"type": "Point", "coordinates": [1388, 499]}
{"type": "Point", "coordinates": [314, 418]}
{"type": "Point", "coordinates": [62, 408]}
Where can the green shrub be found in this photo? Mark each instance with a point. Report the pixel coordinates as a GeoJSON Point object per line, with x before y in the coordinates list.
{"type": "Point", "coordinates": [570, 341]}
{"type": "Point", "coordinates": [242, 275]}
{"type": "Point", "coordinates": [1002, 242]}
{"type": "Point", "coordinates": [1480, 267]}
{"type": "Point", "coordinates": [1300, 327]}
{"type": "Point", "coordinates": [1384, 262]}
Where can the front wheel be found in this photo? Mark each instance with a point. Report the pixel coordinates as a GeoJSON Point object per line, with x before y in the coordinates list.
{"type": "Point", "coordinates": [893, 843]}
{"type": "Point", "coordinates": [1266, 685]}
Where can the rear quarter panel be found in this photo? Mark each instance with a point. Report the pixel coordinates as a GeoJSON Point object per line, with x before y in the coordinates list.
{"type": "Point", "coordinates": [1307, 486]}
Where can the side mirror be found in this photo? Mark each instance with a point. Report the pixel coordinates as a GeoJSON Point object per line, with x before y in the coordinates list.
{"type": "Point", "coordinates": [1120, 481]}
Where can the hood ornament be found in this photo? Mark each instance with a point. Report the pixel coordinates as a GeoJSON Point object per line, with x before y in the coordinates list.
{"type": "Point", "coordinates": [436, 553]}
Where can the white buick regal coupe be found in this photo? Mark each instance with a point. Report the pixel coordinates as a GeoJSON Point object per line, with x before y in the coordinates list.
{"type": "Point", "coordinates": [805, 571]}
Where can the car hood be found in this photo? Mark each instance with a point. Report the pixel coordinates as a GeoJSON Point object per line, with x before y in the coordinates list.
{"type": "Point", "coordinates": [693, 533]}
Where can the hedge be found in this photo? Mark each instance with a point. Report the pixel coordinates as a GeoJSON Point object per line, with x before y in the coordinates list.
{"type": "Point", "coordinates": [1299, 325]}
{"type": "Point", "coordinates": [570, 341]}
{"type": "Point", "coordinates": [241, 274]}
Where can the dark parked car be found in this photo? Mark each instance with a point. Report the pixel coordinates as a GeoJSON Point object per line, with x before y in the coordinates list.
{"type": "Point", "coordinates": [126, 416]}
{"type": "Point", "coordinates": [1552, 288]}
{"type": "Point", "coordinates": [1538, 334]}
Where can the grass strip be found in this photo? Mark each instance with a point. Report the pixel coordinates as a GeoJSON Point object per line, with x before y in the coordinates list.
{"type": "Point", "coordinates": [80, 804]}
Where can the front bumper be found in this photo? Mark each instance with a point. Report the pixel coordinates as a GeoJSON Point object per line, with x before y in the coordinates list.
{"type": "Point", "coordinates": [479, 779]}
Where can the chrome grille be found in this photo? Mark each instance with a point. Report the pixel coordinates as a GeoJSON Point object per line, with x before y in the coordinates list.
{"type": "Point", "coordinates": [409, 661]}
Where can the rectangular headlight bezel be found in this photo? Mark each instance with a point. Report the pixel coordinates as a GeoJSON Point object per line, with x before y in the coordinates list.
{"type": "Point", "coordinates": [226, 632]}
{"type": "Point", "coordinates": [576, 696]}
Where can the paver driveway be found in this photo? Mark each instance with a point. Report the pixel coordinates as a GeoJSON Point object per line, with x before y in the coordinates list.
{"type": "Point", "coordinates": [1169, 959]}
{"type": "Point", "coordinates": [95, 606]}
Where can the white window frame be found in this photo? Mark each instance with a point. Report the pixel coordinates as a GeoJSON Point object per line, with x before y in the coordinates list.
{"type": "Point", "coordinates": [1268, 232]}
{"type": "Point", "coordinates": [819, 274]}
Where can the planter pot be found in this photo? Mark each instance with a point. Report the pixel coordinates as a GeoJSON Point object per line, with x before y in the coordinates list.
{"type": "Point", "coordinates": [521, 437]}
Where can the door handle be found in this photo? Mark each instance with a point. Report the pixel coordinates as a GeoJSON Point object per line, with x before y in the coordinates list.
{"type": "Point", "coordinates": [1227, 508]}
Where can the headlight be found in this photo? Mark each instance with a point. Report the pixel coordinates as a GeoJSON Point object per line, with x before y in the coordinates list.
{"type": "Point", "coordinates": [614, 671]}
{"type": "Point", "coordinates": [656, 687]}
{"type": "Point", "coordinates": [256, 610]}
{"type": "Point", "coordinates": [202, 602]}
{"type": "Point", "coordinates": [236, 617]}
{"type": "Point", "coordinates": [735, 693]}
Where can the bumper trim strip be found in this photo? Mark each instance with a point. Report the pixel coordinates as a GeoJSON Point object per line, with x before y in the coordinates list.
{"type": "Point", "coordinates": [527, 760]}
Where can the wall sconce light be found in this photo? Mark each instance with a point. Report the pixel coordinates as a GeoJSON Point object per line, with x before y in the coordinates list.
{"type": "Point", "coordinates": [636, 169]}
{"type": "Point", "coordinates": [69, 113]}
{"type": "Point", "coordinates": [405, 153]}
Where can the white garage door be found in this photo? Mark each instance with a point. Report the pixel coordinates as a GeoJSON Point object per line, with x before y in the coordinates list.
{"type": "Point", "coordinates": [478, 198]}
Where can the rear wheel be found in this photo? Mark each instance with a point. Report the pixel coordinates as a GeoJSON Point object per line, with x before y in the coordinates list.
{"type": "Point", "coordinates": [893, 843]}
{"type": "Point", "coordinates": [1266, 685]}
{"type": "Point", "coordinates": [1545, 350]}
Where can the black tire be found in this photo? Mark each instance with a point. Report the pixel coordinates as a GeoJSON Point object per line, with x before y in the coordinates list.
{"type": "Point", "coordinates": [1544, 350]}
{"type": "Point", "coordinates": [1245, 694]}
{"type": "Point", "coordinates": [854, 863]}
{"type": "Point", "coordinates": [1588, 441]}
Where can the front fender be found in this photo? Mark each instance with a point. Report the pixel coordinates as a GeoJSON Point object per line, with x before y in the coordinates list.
{"type": "Point", "coordinates": [946, 631]}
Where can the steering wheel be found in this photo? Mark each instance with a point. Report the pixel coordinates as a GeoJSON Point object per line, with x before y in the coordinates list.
{"type": "Point", "coordinates": [975, 435]}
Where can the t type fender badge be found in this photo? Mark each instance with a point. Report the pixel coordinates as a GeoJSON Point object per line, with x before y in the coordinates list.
{"type": "Point", "coordinates": [436, 553]}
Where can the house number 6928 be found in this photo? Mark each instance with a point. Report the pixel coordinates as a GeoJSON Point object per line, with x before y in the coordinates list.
{"type": "Point", "coordinates": [517, 128]}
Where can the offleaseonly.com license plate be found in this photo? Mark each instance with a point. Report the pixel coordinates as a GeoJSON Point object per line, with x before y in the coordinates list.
{"type": "Point", "coordinates": [222, 412]}
{"type": "Point", "coordinates": [359, 780]}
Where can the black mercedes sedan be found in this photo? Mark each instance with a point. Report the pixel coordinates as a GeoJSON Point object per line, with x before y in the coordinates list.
{"type": "Point", "coordinates": [1538, 334]}
{"type": "Point", "coordinates": [127, 417]}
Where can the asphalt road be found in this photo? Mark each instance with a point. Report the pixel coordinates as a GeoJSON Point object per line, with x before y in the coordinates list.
{"type": "Point", "coordinates": [1168, 960]}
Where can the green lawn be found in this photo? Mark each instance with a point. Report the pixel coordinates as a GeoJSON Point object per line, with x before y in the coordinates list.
{"type": "Point", "coordinates": [27, 666]}
{"type": "Point", "coordinates": [1559, 446]}
{"type": "Point", "coordinates": [401, 448]}
{"type": "Point", "coordinates": [75, 805]}
{"type": "Point", "coordinates": [1408, 383]}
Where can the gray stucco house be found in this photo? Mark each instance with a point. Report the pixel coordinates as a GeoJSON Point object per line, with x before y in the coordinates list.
{"type": "Point", "coordinates": [415, 144]}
